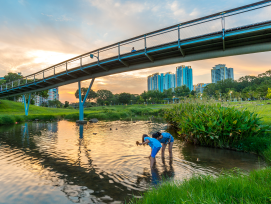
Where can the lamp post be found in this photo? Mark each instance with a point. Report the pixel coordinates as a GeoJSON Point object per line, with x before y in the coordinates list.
{"type": "Point", "coordinates": [230, 95]}
{"type": "Point", "coordinates": [131, 102]}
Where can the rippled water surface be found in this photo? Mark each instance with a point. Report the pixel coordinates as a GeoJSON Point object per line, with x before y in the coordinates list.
{"type": "Point", "coordinates": [54, 163]}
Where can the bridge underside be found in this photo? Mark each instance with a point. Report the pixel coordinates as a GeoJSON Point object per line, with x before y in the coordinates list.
{"type": "Point", "coordinates": [243, 40]}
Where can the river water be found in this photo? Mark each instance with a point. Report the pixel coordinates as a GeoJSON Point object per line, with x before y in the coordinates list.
{"type": "Point", "coordinates": [59, 163]}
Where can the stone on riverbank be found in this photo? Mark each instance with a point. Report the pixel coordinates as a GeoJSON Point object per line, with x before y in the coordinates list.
{"type": "Point", "coordinates": [93, 120]}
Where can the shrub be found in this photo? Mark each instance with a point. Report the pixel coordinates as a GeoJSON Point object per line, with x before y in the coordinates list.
{"type": "Point", "coordinates": [7, 120]}
{"type": "Point", "coordinates": [214, 125]}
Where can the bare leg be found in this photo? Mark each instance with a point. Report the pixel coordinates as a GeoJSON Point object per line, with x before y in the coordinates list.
{"type": "Point", "coordinates": [170, 149]}
{"type": "Point", "coordinates": [163, 150]}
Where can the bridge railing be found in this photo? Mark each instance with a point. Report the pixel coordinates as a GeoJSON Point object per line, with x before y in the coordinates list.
{"type": "Point", "coordinates": [241, 16]}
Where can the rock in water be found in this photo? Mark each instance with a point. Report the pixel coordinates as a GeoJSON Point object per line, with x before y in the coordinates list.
{"type": "Point", "coordinates": [93, 120]}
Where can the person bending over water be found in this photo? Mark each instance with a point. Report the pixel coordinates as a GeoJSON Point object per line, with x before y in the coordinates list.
{"type": "Point", "coordinates": [165, 138]}
{"type": "Point", "coordinates": [154, 144]}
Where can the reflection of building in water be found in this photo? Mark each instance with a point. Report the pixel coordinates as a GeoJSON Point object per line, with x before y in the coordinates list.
{"type": "Point", "coordinates": [53, 127]}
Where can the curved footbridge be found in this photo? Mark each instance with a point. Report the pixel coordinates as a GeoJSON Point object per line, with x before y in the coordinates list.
{"type": "Point", "coordinates": [242, 30]}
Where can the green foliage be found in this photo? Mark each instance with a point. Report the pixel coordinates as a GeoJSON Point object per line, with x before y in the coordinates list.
{"type": "Point", "coordinates": [268, 95]}
{"type": "Point", "coordinates": [91, 95]}
{"type": "Point", "coordinates": [214, 125]}
{"type": "Point", "coordinates": [104, 95]}
{"type": "Point", "coordinates": [55, 103]}
{"type": "Point", "coordinates": [183, 91]}
{"type": "Point", "coordinates": [125, 98]}
{"type": "Point", "coordinates": [7, 120]}
{"type": "Point", "coordinates": [12, 77]}
{"type": "Point", "coordinates": [254, 144]}
{"type": "Point", "coordinates": [246, 87]}
{"type": "Point", "coordinates": [229, 187]}
{"type": "Point", "coordinates": [66, 105]}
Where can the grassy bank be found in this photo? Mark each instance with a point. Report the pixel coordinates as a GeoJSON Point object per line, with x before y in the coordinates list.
{"type": "Point", "coordinates": [231, 187]}
{"type": "Point", "coordinates": [11, 112]}
{"type": "Point", "coordinates": [235, 126]}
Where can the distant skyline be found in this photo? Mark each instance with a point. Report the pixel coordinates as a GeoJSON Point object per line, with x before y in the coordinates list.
{"type": "Point", "coordinates": [37, 34]}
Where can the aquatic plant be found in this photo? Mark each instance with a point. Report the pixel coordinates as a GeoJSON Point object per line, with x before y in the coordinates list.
{"type": "Point", "coordinates": [213, 125]}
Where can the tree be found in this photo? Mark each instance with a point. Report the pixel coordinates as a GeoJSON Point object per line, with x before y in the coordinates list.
{"type": "Point", "coordinates": [55, 103]}
{"type": "Point", "coordinates": [124, 98]}
{"type": "Point", "coordinates": [193, 93]}
{"type": "Point", "coordinates": [182, 91]}
{"type": "Point", "coordinates": [104, 95]}
{"type": "Point", "coordinates": [12, 77]}
{"type": "Point", "coordinates": [91, 95]}
{"type": "Point", "coordinates": [66, 105]}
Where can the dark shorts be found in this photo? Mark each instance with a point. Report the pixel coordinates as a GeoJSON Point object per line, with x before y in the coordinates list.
{"type": "Point", "coordinates": [154, 151]}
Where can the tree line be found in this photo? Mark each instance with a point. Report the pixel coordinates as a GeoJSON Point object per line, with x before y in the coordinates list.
{"type": "Point", "coordinates": [246, 87]}
{"type": "Point", "coordinates": [106, 97]}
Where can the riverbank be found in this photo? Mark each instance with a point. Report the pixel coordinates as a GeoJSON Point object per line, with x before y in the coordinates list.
{"type": "Point", "coordinates": [241, 126]}
{"type": "Point", "coordinates": [231, 187]}
{"type": "Point", "coordinates": [12, 112]}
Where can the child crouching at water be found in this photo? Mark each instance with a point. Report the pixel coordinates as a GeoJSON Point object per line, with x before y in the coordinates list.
{"type": "Point", "coordinates": [154, 144]}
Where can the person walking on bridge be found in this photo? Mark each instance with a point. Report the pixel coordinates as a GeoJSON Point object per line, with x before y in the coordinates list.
{"type": "Point", "coordinates": [165, 138]}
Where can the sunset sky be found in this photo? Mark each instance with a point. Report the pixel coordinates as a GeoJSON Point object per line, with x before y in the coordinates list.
{"type": "Point", "coordinates": [35, 34]}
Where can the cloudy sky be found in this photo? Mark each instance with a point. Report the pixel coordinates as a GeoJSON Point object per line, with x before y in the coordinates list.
{"type": "Point", "coordinates": [35, 34]}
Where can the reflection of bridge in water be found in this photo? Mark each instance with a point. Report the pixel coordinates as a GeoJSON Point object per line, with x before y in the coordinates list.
{"type": "Point", "coordinates": [71, 174]}
{"type": "Point", "coordinates": [242, 30]}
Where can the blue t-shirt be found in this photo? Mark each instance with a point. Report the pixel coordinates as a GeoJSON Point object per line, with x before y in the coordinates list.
{"type": "Point", "coordinates": [166, 137]}
{"type": "Point", "coordinates": [153, 142]}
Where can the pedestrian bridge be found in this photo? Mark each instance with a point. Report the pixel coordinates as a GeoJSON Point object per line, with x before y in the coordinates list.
{"type": "Point", "coordinates": [242, 30]}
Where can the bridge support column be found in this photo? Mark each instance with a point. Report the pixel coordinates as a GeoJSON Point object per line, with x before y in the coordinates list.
{"type": "Point", "coordinates": [81, 103]}
{"type": "Point", "coordinates": [26, 106]}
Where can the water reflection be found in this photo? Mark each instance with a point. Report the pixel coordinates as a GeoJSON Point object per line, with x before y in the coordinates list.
{"type": "Point", "coordinates": [96, 163]}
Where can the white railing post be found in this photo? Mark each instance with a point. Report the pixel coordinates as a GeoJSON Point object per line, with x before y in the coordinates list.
{"type": "Point", "coordinates": [43, 74]}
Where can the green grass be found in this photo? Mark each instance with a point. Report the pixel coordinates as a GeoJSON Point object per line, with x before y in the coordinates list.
{"type": "Point", "coordinates": [231, 187]}
{"type": "Point", "coordinates": [11, 112]}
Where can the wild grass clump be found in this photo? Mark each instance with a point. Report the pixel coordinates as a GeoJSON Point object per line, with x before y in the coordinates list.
{"type": "Point", "coordinates": [214, 125]}
{"type": "Point", "coordinates": [231, 187]}
{"type": "Point", "coordinates": [7, 120]}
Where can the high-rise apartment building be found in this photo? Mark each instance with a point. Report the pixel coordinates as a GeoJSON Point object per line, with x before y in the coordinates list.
{"type": "Point", "coordinates": [161, 82]}
{"type": "Point", "coordinates": [200, 87]}
{"type": "Point", "coordinates": [154, 82]}
{"type": "Point", "coordinates": [52, 95]}
{"type": "Point", "coordinates": [169, 81]}
{"type": "Point", "coordinates": [184, 76]}
{"type": "Point", "coordinates": [221, 72]}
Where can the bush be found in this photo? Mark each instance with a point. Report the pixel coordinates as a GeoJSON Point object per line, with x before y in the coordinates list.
{"type": "Point", "coordinates": [7, 120]}
{"type": "Point", "coordinates": [214, 125]}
